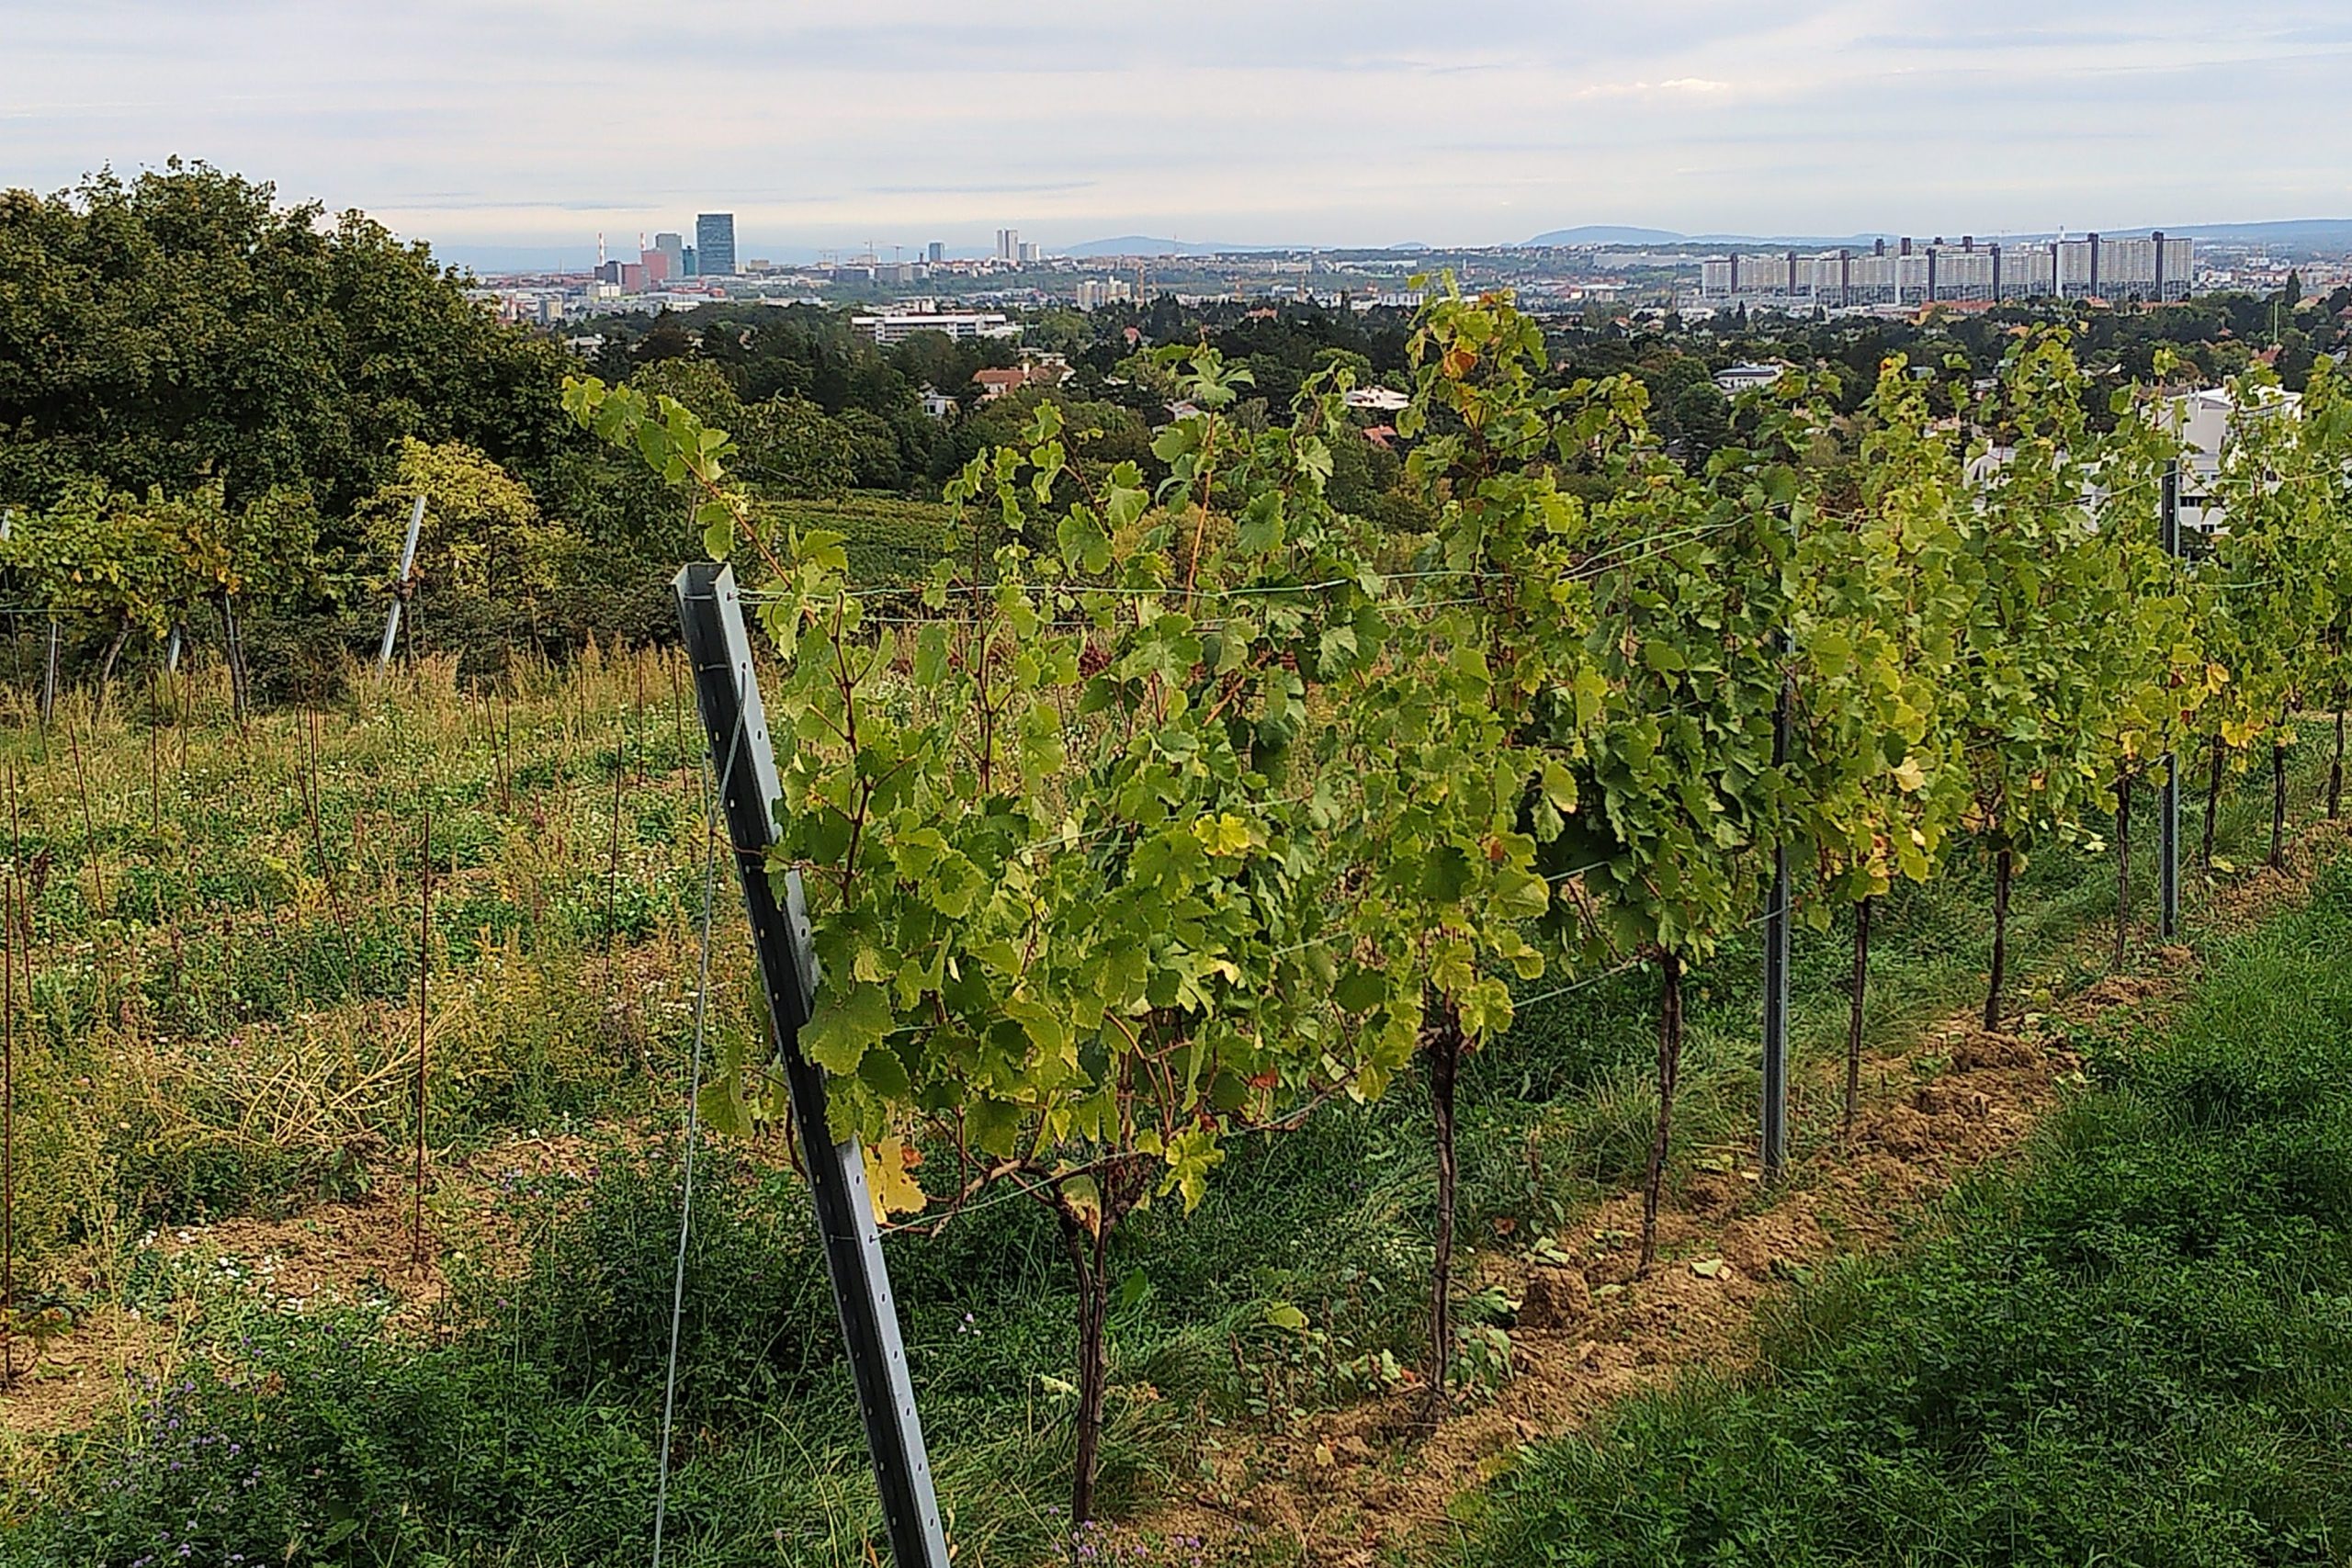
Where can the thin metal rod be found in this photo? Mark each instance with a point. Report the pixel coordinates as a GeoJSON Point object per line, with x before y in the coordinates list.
{"type": "Point", "coordinates": [9, 895]}
{"type": "Point", "coordinates": [2168, 802]}
{"type": "Point", "coordinates": [423, 967]}
{"type": "Point", "coordinates": [1775, 1129]}
{"type": "Point", "coordinates": [49, 675]}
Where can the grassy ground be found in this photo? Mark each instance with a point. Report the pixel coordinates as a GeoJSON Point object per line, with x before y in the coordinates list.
{"type": "Point", "coordinates": [2137, 1351]}
{"type": "Point", "coordinates": [888, 538]}
{"type": "Point", "coordinates": [218, 949]}
{"type": "Point", "coordinates": [222, 1023]}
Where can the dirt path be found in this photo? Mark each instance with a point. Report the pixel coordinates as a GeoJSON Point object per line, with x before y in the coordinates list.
{"type": "Point", "coordinates": [1374, 1484]}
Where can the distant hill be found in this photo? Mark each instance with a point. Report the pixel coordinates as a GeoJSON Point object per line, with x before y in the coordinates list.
{"type": "Point", "coordinates": [487, 260]}
{"type": "Point", "coordinates": [1146, 245]}
{"type": "Point", "coordinates": [1607, 234]}
{"type": "Point", "coordinates": [2307, 233]}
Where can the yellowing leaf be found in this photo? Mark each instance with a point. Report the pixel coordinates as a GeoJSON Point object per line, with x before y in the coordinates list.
{"type": "Point", "coordinates": [888, 1182]}
{"type": "Point", "coordinates": [1084, 1199]}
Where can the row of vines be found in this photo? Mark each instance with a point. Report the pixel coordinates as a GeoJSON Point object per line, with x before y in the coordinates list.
{"type": "Point", "coordinates": [1195, 808]}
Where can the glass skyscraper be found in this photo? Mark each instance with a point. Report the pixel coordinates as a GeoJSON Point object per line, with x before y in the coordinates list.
{"type": "Point", "coordinates": [715, 244]}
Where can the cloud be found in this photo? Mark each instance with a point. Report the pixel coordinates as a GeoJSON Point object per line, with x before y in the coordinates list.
{"type": "Point", "coordinates": [1331, 122]}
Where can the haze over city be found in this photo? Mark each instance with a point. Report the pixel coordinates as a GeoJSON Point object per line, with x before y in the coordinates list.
{"type": "Point", "coordinates": [534, 125]}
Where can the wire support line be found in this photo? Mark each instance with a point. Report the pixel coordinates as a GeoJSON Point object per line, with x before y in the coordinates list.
{"type": "Point", "coordinates": [1623, 553]}
{"type": "Point", "coordinates": [1270, 590]}
{"type": "Point", "coordinates": [712, 806]}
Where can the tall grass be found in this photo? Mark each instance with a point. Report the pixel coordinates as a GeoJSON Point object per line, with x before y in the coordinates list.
{"type": "Point", "coordinates": [223, 924]}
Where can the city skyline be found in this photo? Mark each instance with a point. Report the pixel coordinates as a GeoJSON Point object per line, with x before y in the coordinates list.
{"type": "Point", "coordinates": [1355, 124]}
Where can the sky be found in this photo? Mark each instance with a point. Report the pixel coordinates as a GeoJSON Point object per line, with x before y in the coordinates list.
{"type": "Point", "coordinates": [518, 123]}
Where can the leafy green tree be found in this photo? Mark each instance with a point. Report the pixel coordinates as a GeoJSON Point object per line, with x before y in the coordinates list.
{"type": "Point", "coordinates": [1684, 795]}
{"type": "Point", "coordinates": [114, 565]}
{"type": "Point", "coordinates": [2152, 657]}
{"type": "Point", "coordinates": [183, 328]}
{"type": "Point", "coordinates": [2326, 431]}
{"type": "Point", "coordinates": [1701, 418]}
{"type": "Point", "coordinates": [482, 542]}
{"type": "Point", "coordinates": [1465, 777]}
{"type": "Point", "coordinates": [875, 456]}
{"type": "Point", "coordinates": [102, 562]}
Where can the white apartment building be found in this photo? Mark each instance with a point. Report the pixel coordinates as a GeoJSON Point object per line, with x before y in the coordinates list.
{"type": "Point", "coordinates": [2153, 267]}
{"type": "Point", "coordinates": [889, 327]}
{"type": "Point", "coordinates": [2208, 423]}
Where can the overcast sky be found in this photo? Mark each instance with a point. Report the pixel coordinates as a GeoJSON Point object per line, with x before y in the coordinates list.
{"type": "Point", "coordinates": [518, 123]}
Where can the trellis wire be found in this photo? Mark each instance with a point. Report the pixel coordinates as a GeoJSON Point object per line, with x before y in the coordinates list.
{"type": "Point", "coordinates": [713, 793]}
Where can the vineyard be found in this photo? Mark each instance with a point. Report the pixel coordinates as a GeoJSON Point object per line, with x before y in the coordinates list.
{"type": "Point", "coordinates": [1305, 998]}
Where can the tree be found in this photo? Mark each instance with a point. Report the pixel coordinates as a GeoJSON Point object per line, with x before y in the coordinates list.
{"type": "Point", "coordinates": [120, 564]}
{"type": "Point", "coordinates": [873, 450]}
{"type": "Point", "coordinates": [1631, 643]}
{"type": "Point", "coordinates": [2326, 431]}
{"type": "Point", "coordinates": [482, 538]}
{"type": "Point", "coordinates": [102, 560]}
{"type": "Point", "coordinates": [1684, 793]}
{"type": "Point", "coordinates": [182, 328]}
{"type": "Point", "coordinates": [2152, 659]}
{"type": "Point", "coordinates": [1703, 419]}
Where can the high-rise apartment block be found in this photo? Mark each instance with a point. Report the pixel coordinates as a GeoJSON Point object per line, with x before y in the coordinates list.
{"type": "Point", "coordinates": [1008, 244]}
{"type": "Point", "coordinates": [715, 244]}
{"type": "Point", "coordinates": [2154, 268]}
{"type": "Point", "coordinates": [1024, 253]}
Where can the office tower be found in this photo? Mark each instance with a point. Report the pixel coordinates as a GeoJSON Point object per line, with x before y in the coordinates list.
{"type": "Point", "coordinates": [674, 248]}
{"type": "Point", "coordinates": [937, 253]}
{"type": "Point", "coordinates": [715, 244]}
